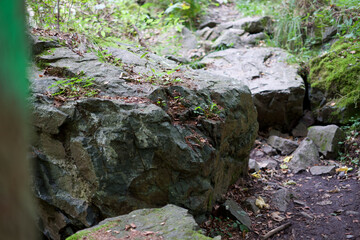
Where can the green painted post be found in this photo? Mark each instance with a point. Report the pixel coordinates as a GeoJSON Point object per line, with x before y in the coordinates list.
{"type": "Point", "coordinates": [16, 205]}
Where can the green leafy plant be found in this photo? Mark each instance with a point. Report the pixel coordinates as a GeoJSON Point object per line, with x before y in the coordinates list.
{"type": "Point", "coordinates": [208, 111]}
{"type": "Point", "coordinates": [256, 7]}
{"type": "Point", "coordinates": [351, 152]}
{"type": "Point", "coordinates": [188, 10]}
{"type": "Point", "coordinates": [162, 77]}
{"type": "Point", "coordinates": [75, 87]}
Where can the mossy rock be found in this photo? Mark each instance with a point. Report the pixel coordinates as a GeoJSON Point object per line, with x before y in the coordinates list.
{"type": "Point", "coordinates": [169, 222]}
{"type": "Point", "coordinates": [337, 75]}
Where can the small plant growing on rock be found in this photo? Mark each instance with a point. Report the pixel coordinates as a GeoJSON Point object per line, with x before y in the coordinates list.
{"type": "Point", "coordinates": [211, 111]}
{"type": "Point", "coordinates": [75, 87]}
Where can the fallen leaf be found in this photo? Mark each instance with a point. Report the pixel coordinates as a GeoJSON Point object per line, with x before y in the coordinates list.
{"type": "Point", "coordinates": [260, 202]}
{"type": "Point", "coordinates": [287, 159]}
{"type": "Point", "coordinates": [256, 174]}
{"type": "Point", "coordinates": [276, 216]}
{"type": "Point", "coordinates": [290, 182]}
{"type": "Point", "coordinates": [344, 169]}
{"type": "Point", "coordinates": [283, 166]}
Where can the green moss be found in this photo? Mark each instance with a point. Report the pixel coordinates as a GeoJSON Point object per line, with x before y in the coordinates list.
{"type": "Point", "coordinates": [48, 52]}
{"type": "Point", "coordinates": [45, 39]}
{"type": "Point", "coordinates": [337, 73]}
{"type": "Point", "coordinates": [84, 233]}
{"type": "Point", "coordinates": [41, 64]}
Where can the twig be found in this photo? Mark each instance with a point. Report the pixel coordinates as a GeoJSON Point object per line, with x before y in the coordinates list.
{"type": "Point", "coordinates": [276, 230]}
{"type": "Point", "coordinates": [140, 38]}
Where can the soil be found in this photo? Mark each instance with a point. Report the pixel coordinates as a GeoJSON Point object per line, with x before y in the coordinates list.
{"type": "Point", "coordinates": [319, 207]}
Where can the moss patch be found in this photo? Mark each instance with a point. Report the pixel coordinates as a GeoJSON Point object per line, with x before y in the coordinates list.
{"type": "Point", "coordinates": [337, 73]}
{"type": "Point", "coordinates": [84, 233]}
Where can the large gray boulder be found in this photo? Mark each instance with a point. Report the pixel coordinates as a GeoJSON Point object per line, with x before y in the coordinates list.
{"type": "Point", "coordinates": [278, 91]}
{"type": "Point", "coordinates": [306, 155]}
{"type": "Point", "coordinates": [327, 139]}
{"type": "Point", "coordinates": [139, 143]}
{"type": "Point", "coordinates": [169, 222]}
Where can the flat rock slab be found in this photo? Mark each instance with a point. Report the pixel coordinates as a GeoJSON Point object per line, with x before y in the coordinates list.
{"type": "Point", "coordinates": [169, 222]}
{"type": "Point", "coordinates": [237, 212]}
{"type": "Point", "coordinates": [322, 170]}
{"type": "Point", "coordinates": [278, 91]}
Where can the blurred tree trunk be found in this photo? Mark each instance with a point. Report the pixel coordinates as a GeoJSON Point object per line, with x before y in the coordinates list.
{"type": "Point", "coordinates": [16, 204]}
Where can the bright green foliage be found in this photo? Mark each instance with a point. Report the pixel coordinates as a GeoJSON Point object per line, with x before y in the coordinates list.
{"type": "Point", "coordinates": [75, 87]}
{"type": "Point", "coordinates": [208, 111]}
{"type": "Point", "coordinates": [300, 25]}
{"type": "Point", "coordinates": [338, 73]}
{"type": "Point", "coordinates": [105, 23]}
{"type": "Point", "coordinates": [256, 7]}
{"type": "Point", "coordinates": [188, 10]}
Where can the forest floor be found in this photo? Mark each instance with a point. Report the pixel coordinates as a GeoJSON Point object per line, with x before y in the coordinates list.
{"type": "Point", "coordinates": [318, 207]}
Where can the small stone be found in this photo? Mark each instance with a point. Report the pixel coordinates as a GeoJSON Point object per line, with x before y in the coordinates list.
{"type": "Point", "coordinates": [349, 236]}
{"type": "Point", "coordinates": [352, 213]}
{"type": "Point", "coordinates": [250, 202]}
{"type": "Point", "coordinates": [253, 165]}
{"type": "Point", "coordinates": [286, 146]}
{"type": "Point", "coordinates": [341, 175]}
{"type": "Point", "coordinates": [300, 202]}
{"type": "Point", "coordinates": [268, 150]}
{"type": "Point", "coordinates": [268, 164]}
{"type": "Point", "coordinates": [322, 170]}
{"type": "Point", "coordinates": [281, 199]}
{"type": "Point", "coordinates": [236, 211]}
{"type": "Point", "coordinates": [307, 215]}
{"type": "Point", "coordinates": [325, 202]}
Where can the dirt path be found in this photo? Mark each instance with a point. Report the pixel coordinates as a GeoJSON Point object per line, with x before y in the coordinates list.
{"type": "Point", "coordinates": [316, 207]}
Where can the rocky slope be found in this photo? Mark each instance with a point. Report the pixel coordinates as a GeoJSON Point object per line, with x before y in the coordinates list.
{"type": "Point", "coordinates": [145, 138]}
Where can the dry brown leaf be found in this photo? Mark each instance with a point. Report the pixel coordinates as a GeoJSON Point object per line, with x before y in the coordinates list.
{"type": "Point", "coordinates": [276, 216]}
